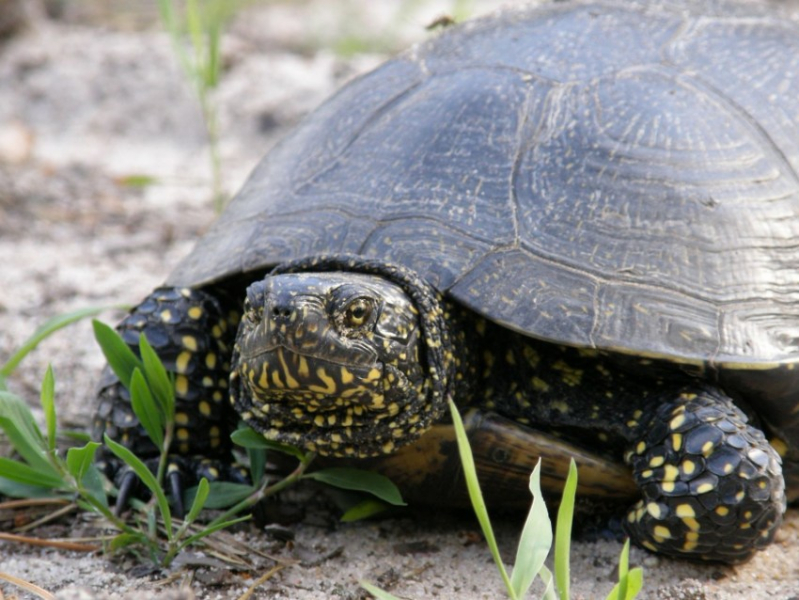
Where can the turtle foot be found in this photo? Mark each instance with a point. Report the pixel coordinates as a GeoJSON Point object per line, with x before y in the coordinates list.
{"type": "Point", "coordinates": [712, 485]}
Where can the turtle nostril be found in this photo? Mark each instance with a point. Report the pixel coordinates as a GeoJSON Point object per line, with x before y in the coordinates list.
{"type": "Point", "coordinates": [281, 313]}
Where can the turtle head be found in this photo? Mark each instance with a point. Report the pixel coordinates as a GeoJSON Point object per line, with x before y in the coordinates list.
{"type": "Point", "coordinates": [335, 362]}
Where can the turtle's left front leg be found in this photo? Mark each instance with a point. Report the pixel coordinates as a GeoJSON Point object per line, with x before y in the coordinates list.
{"type": "Point", "coordinates": [712, 485]}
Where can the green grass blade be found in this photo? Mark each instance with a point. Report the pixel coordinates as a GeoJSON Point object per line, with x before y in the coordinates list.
{"type": "Point", "coordinates": [48, 406]}
{"type": "Point", "coordinates": [120, 357]}
{"type": "Point", "coordinates": [146, 477]}
{"type": "Point", "coordinates": [212, 529]}
{"type": "Point", "coordinates": [535, 540]}
{"type": "Point", "coordinates": [17, 421]}
{"type": "Point", "coordinates": [44, 331]}
{"type": "Point", "coordinates": [359, 480]}
{"type": "Point", "coordinates": [363, 510]}
{"type": "Point", "coordinates": [200, 498]}
{"type": "Point", "coordinates": [27, 475]}
{"type": "Point", "coordinates": [376, 591]}
{"type": "Point", "coordinates": [476, 495]}
{"type": "Point", "coordinates": [93, 484]}
{"type": "Point", "coordinates": [620, 591]}
{"type": "Point", "coordinates": [15, 489]}
{"type": "Point", "coordinates": [146, 409]}
{"type": "Point", "coordinates": [549, 580]}
{"type": "Point", "coordinates": [257, 458]}
{"type": "Point", "coordinates": [563, 532]}
{"type": "Point", "coordinates": [157, 378]}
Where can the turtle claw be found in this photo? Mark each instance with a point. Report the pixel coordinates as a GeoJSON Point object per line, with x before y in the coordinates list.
{"type": "Point", "coordinates": [126, 490]}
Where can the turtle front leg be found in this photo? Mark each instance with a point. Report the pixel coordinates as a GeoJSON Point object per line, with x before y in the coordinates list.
{"type": "Point", "coordinates": [192, 332]}
{"type": "Point", "coordinates": [712, 485]}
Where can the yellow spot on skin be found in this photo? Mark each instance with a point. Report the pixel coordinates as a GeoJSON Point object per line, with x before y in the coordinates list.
{"type": "Point", "coordinates": [216, 331]}
{"type": "Point", "coordinates": [181, 418]}
{"type": "Point", "coordinates": [653, 508]}
{"type": "Point", "coordinates": [346, 376]}
{"type": "Point", "coordinates": [189, 342]}
{"type": "Point", "coordinates": [195, 312]}
{"type": "Point", "coordinates": [388, 447]}
{"type": "Point", "coordinates": [540, 385]}
{"type": "Point", "coordinates": [685, 510]}
{"type": "Point", "coordinates": [205, 408]}
{"type": "Point", "coordinates": [278, 383]}
{"type": "Point", "coordinates": [373, 375]}
{"type": "Point", "coordinates": [290, 381]}
{"type": "Point", "coordinates": [688, 467]}
{"type": "Point", "coordinates": [657, 461]}
{"type": "Point", "coordinates": [688, 546]}
{"type": "Point", "coordinates": [677, 422]}
{"type": "Point", "coordinates": [319, 420]}
{"type": "Point", "coordinates": [691, 523]}
{"type": "Point", "coordinates": [182, 362]}
{"type": "Point", "coordinates": [704, 488]}
{"type": "Point", "coordinates": [210, 360]}
{"type": "Point", "coordinates": [182, 434]}
{"type": "Point", "coordinates": [667, 486]}
{"type": "Point", "coordinates": [676, 441]}
{"type": "Point", "coordinates": [722, 511]}
{"type": "Point", "coordinates": [707, 448]}
{"type": "Point", "coordinates": [166, 315]}
{"type": "Point", "coordinates": [331, 419]}
{"type": "Point", "coordinates": [647, 474]}
{"type": "Point", "coordinates": [670, 473]}
{"type": "Point", "coordinates": [640, 448]}
{"type": "Point", "coordinates": [302, 368]}
{"type": "Point", "coordinates": [662, 532]}
{"type": "Point", "coordinates": [181, 385]}
{"type": "Point", "coordinates": [330, 383]}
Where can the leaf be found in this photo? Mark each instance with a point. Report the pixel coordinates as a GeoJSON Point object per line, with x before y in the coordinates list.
{"type": "Point", "coordinates": [563, 531]}
{"type": "Point", "coordinates": [93, 484]}
{"type": "Point", "coordinates": [360, 480]}
{"type": "Point", "coordinates": [14, 489]}
{"type": "Point", "coordinates": [80, 459]}
{"type": "Point", "coordinates": [22, 473]}
{"type": "Point", "coordinates": [222, 494]}
{"type": "Point", "coordinates": [44, 331]}
{"type": "Point", "coordinates": [630, 582]}
{"type": "Point", "coordinates": [200, 496]}
{"type": "Point", "coordinates": [146, 409]}
{"type": "Point", "coordinates": [157, 378]}
{"type": "Point", "coordinates": [257, 459]}
{"type": "Point", "coordinates": [376, 591]}
{"type": "Point", "coordinates": [136, 180]}
{"type": "Point", "coordinates": [24, 434]}
{"type": "Point", "coordinates": [363, 510]}
{"type": "Point", "coordinates": [147, 478]}
{"type": "Point", "coordinates": [249, 438]}
{"type": "Point", "coordinates": [48, 405]}
{"type": "Point", "coordinates": [476, 496]}
{"type": "Point", "coordinates": [123, 540]}
{"type": "Point", "coordinates": [120, 357]}
{"type": "Point", "coordinates": [535, 540]}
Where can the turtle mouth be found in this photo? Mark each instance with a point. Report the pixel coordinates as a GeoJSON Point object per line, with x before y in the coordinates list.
{"type": "Point", "coordinates": [283, 376]}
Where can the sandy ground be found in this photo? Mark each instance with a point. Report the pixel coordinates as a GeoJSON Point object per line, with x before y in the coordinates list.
{"type": "Point", "coordinates": [93, 97]}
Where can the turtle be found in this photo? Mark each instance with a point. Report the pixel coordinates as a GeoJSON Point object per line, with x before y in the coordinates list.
{"type": "Point", "coordinates": [576, 221]}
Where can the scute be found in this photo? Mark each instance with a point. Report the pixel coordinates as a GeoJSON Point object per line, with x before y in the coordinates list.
{"type": "Point", "coordinates": [624, 178]}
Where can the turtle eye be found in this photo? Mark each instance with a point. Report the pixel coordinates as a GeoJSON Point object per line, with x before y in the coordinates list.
{"type": "Point", "coordinates": [358, 312]}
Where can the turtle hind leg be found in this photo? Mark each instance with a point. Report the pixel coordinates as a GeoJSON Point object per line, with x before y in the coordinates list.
{"type": "Point", "coordinates": [192, 332]}
{"type": "Point", "coordinates": [712, 485]}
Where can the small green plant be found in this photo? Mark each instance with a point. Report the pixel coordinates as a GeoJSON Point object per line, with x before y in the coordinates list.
{"type": "Point", "coordinates": [536, 538]}
{"type": "Point", "coordinates": [201, 24]}
{"type": "Point", "coordinates": [41, 471]}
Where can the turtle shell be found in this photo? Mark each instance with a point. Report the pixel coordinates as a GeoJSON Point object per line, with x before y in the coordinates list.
{"type": "Point", "coordinates": [612, 175]}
